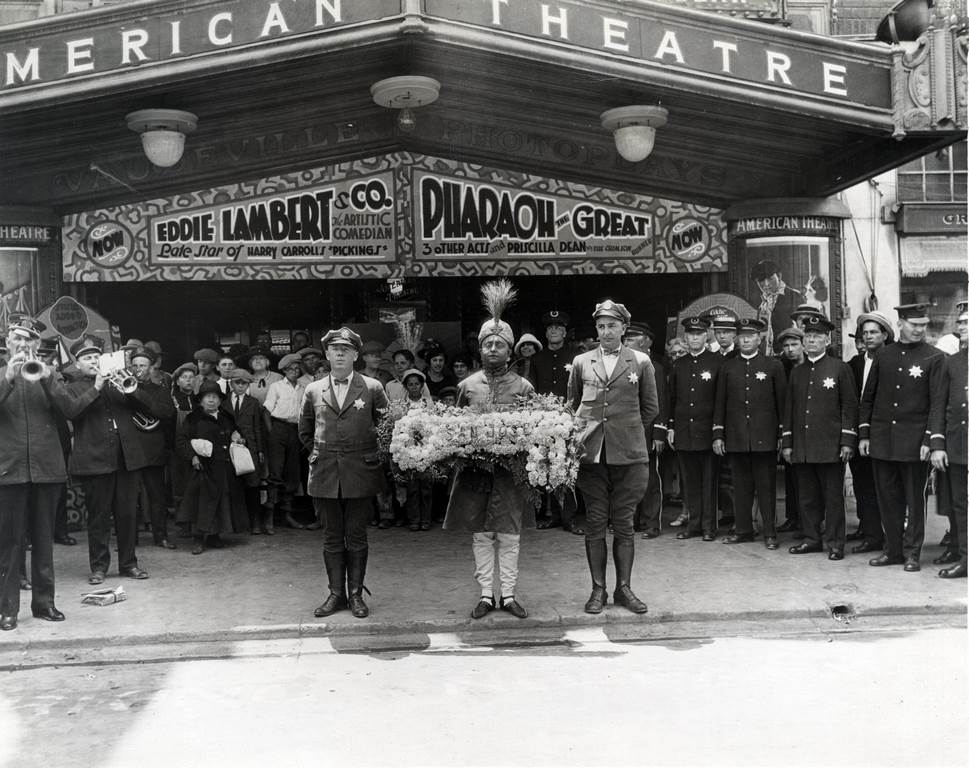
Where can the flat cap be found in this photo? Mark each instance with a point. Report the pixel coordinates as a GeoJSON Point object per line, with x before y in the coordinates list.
{"type": "Point", "coordinates": [239, 374]}
{"type": "Point", "coordinates": [789, 333]}
{"type": "Point", "coordinates": [288, 360]}
{"type": "Point", "coordinates": [206, 354]}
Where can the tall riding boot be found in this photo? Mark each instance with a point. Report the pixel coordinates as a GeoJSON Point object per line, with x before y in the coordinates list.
{"type": "Point", "coordinates": [623, 552]}
{"type": "Point", "coordinates": [595, 553]}
{"type": "Point", "coordinates": [356, 570]}
{"type": "Point", "coordinates": [336, 574]}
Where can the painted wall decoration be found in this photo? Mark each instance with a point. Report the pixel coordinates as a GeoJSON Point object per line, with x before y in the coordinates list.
{"type": "Point", "coordinates": [392, 216]}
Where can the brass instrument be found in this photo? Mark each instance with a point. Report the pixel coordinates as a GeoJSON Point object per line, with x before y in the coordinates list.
{"type": "Point", "coordinates": [144, 422]}
{"type": "Point", "coordinates": [122, 381]}
{"type": "Point", "coordinates": [32, 368]}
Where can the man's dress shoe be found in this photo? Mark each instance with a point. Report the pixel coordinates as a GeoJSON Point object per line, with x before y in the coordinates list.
{"type": "Point", "coordinates": [513, 607]}
{"type": "Point", "coordinates": [912, 564]}
{"type": "Point", "coordinates": [709, 536]}
{"type": "Point", "coordinates": [331, 605]}
{"type": "Point", "coordinates": [686, 533]}
{"type": "Point", "coordinates": [787, 526]}
{"type": "Point", "coordinates": [357, 606]}
{"type": "Point", "coordinates": [865, 546]}
{"type": "Point", "coordinates": [625, 597]}
{"type": "Point", "coordinates": [48, 614]}
{"type": "Point", "coordinates": [884, 559]}
{"type": "Point", "coordinates": [855, 535]}
{"type": "Point", "coordinates": [67, 541]}
{"type": "Point", "coordinates": [133, 573]}
{"type": "Point", "coordinates": [804, 548]}
{"type": "Point", "coordinates": [836, 554]}
{"type": "Point", "coordinates": [949, 556]}
{"type": "Point", "coordinates": [651, 533]}
{"type": "Point", "coordinates": [771, 542]}
{"type": "Point", "coordinates": [955, 572]}
{"type": "Point", "coordinates": [739, 538]}
{"type": "Point", "coordinates": [483, 607]}
{"type": "Point", "coordinates": [597, 600]}
{"type": "Point", "coordinates": [7, 623]}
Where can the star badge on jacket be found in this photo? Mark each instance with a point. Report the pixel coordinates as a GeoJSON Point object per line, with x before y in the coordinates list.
{"type": "Point", "coordinates": [915, 371]}
{"type": "Point", "coordinates": [633, 377]}
{"type": "Point", "coordinates": [828, 383]}
{"type": "Point", "coordinates": [706, 375]}
{"type": "Point", "coordinates": [760, 376]}
{"type": "Point", "coordinates": [358, 404]}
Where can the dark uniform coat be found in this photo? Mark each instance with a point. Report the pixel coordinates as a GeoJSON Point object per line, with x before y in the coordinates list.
{"type": "Point", "coordinates": [213, 500]}
{"type": "Point", "coordinates": [749, 403]}
{"type": "Point", "coordinates": [616, 410]}
{"type": "Point", "coordinates": [821, 411]}
{"type": "Point", "coordinates": [103, 419]}
{"type": "Point", "coordinates": [30, 447]}
{"type": "Point", "coordinates": [657, 430]}
{"type": "Point", "coordinates": [904, 392]}
{"type": "Point", "coordinates": [692, 393]}
{"type": "Point", "coordinates": [342, 442]}
{"type": "Point", "coordinates": [948, 427]}
{"type": "Point", "coordinates": [489, 501]}
{"type": "Point", "coordinates": [550, 370]}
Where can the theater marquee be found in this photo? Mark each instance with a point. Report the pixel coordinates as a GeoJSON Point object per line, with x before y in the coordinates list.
{"type": "Point", "coordinates": [388, 216]}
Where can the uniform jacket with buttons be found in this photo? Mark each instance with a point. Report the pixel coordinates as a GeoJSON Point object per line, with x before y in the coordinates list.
{"type": "Point", "coordinates": [341, 440]}
{"type": "Point", "coordinates": [903, 394]}
{"type": "Point", "coordinates": [614, 411]}
{"type": "Point", "coordinates": [693, 392]}
{"type": "Point", "coordinates": [103, 420]}
{"type": "Point", "coordinates": [749, 404]}
{"type": "Point", "coordinates": [821, 411]}
{"type": "Point", "coordinates": [658, 429]}
{"type": "Point", "coordinates": [30, 446]}
{"type": "Point", "coordinates": [550, 370]}
{"type": "Point", "coordinates": [949, 432]}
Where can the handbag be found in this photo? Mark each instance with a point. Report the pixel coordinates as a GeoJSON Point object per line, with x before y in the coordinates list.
{"type": "Point", "coordinates": [241, 459]}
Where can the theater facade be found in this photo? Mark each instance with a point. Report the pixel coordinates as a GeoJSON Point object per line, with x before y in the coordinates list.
{"type": "Point", "coordinates": [304, 197]}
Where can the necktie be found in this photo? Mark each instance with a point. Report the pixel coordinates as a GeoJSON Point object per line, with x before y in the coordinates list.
{"type": "Point", "coordinates": [610, 352]}
{"type": "Point", "coordinates": [238, 404]}
{"type": "Point", "coordinates": [341, 382]}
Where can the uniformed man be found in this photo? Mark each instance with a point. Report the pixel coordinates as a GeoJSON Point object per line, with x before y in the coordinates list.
{"type": "Point", "coordinates": [649, 511]}
{"type": "Point", "coordinates": [692, 393]}
{"type": "Point", "coordinates": [747, 417]}
{"type": "Point", "coordinates": [819, 437]}
{"type": "Point", "coordinates": [948, 441]}
{"type": "Point", "coordinates": [875, 331]}
{"type": "Point", "coordinates": [550, 374]}
{"type": "Point", "coordinates": [336, 426]}
{"type": "Point", "coordinates": [725, 333]}
{"type": "Point", "coordinates": [612, 390]}
{"type": "Point", "coordinates": [110, 451]}
{"type": "Point", "coordinates": [33, 475]}
{"type": "Point", "coordinates": [902, 396]}
{"type": "Point", "coordinates": [791, 344]}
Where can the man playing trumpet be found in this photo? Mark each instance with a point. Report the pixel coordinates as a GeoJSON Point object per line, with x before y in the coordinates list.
{"type": "Point", "coordinates": [32, 472]}
{"type": "Point", "coordinates": [111, 448]}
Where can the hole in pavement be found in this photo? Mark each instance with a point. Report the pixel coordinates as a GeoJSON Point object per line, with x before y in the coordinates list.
{"type": "Point", "coordinates": [843, 613]}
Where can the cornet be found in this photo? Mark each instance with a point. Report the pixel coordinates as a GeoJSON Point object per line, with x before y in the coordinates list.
{"type": "Point", "coordinates": [32, 368]}
{"type": "Point", "coordinates": [111, 365]}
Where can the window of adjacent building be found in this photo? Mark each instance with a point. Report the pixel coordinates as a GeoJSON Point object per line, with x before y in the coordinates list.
{"type": "Point", "coordinates": [939, 177]}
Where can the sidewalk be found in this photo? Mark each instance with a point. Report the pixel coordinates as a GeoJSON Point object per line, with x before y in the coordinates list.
{"type": "Point", "coordinates": [266, 587]}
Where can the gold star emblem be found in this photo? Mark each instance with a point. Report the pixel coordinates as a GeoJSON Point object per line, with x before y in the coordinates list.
{"type": "Point", "coordinates": [358, 403]}
{"type": "Point", "coordinates": [760, 376]}
{"type": "Point", "coordinates": [706, 376]}
{"type": "Point", "coordinates": [633, 377]}
{"type": "Point", "coordinates": [915, 371]}
{"type": "Point", "coordinates": [828, 383]}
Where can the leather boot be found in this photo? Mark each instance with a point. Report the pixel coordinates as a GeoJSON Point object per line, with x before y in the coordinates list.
{"type": "Point", "coordinates": [267, 520]}
{"type": "Point", "coordinates": [336, 574]}
{"type": "Point", "coordinates": [623, 553]}
{"type": "Point", "coordinates": [356, 570]}
{"type": "Point", "coordinates": [596, 554]}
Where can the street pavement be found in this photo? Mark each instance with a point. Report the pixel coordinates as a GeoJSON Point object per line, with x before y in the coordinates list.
{"type": "Point", "coordinates": [266, 587]}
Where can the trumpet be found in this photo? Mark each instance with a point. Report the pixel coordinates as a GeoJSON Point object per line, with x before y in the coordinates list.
{"type": "Point", "coordinates": [122, 381]}
{"type": "Point", "coordinates": [111, 365]}
{"type": "Point", "coordinates": [32, 368]}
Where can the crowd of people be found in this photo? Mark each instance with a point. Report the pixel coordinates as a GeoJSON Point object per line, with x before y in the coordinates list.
{"type": "Point", "coordinates": [243, 440]}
